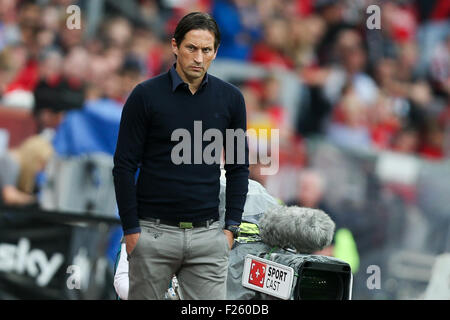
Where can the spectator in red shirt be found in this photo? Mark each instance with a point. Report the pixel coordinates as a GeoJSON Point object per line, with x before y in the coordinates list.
{"type": "Point", "coordinates": [271, 52]}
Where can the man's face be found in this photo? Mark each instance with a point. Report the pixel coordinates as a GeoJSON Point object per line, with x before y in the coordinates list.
{"type": "Point", "coordinates": [195, 53]}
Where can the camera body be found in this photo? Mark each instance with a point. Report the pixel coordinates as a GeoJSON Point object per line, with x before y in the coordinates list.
{"type": "Point", "coordinates": [323, 279]}
{"type": "Point", "coordinates": [315, 277]}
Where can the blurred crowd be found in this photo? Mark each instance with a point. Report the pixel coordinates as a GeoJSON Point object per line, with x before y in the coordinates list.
{"type": "Point", "coordinates": [363, 88]}
{"type": "Point", "coordinates": [360, 87]}
{"type": "Point", "coordinates": [384, 88]}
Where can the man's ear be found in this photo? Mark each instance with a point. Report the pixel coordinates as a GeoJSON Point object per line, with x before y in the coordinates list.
{"type": "Point", "coordinates": [217, 50]}
{"type": "Point", "coordinates": [174, 47]}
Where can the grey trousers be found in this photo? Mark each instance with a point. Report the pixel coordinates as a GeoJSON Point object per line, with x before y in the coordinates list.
{"type": "Point", "coordinates": [197, 256]}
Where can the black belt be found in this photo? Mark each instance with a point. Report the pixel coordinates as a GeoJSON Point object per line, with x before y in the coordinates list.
{"type": "Point", "coordinates": [182, 224]}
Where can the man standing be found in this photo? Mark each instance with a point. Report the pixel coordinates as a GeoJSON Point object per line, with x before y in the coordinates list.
{"type": "Point", "coordinates": [170, 216]}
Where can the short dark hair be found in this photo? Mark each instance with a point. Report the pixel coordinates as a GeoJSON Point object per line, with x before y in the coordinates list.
{"type": "Point", "coordinates": [194, 21]}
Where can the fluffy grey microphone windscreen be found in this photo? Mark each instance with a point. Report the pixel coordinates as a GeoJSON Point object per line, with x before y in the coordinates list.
{"type": "Point", "coordinates": [304, 229]}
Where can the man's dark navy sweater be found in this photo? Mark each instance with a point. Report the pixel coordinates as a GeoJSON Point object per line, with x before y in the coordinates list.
{"type": "Point", "coordinates": [165, 190]}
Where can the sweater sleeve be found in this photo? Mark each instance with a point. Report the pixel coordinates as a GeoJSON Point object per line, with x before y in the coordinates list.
{"type": "Point", "coordinates": [127, 158]}
{"type": "Point", "coordinates": [236, 164]}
